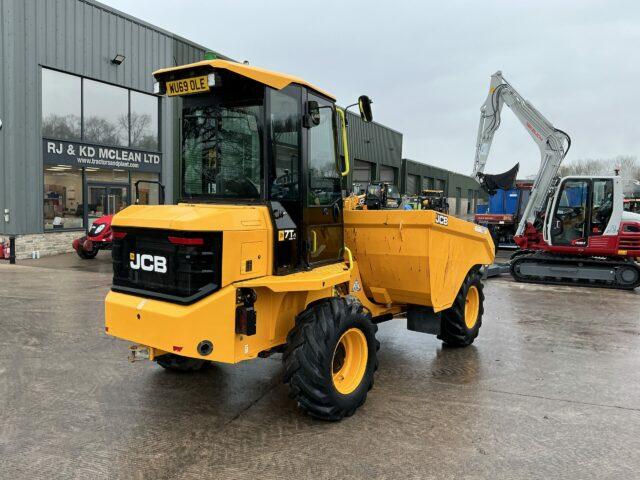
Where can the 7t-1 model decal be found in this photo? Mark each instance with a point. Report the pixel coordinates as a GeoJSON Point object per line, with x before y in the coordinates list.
{"type": "Point", "coordinates": [286, 235]}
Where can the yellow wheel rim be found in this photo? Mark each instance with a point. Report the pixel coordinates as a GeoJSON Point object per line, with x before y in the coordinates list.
{"type": "Point", "coordinates": [349, 361]}
{"type": "Point", "coordinates": [471, 307]}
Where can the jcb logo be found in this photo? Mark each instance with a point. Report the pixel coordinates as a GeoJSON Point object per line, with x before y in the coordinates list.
{"type": "Point", "coordinates": [442, 219]}
{"type": "Point", "coordinates": [148, 263]}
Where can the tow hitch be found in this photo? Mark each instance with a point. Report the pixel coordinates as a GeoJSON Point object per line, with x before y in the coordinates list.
{"type": "Point", "coordinates": [138, 352]}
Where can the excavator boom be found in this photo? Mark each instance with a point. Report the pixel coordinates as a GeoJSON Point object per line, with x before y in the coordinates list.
{"type": "Point", "coordinates": [552, 143]}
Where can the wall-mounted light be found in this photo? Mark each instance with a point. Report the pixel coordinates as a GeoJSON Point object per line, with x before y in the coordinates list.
{"type": "Point", "coordinates": [118, 59]}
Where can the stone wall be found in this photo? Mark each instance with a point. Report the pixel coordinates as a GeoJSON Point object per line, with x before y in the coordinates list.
{"type": "Point", "coordinates": [46, 244]}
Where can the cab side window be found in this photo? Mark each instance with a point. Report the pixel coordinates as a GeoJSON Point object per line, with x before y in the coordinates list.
{"type": "Point", "coordinates": [324, 178]}
{"type": "Point", "coordinates": [602, 205]}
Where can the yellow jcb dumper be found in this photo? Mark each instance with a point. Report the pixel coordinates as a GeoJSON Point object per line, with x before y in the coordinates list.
{"type": "Point", "coordinates": [260, 255]}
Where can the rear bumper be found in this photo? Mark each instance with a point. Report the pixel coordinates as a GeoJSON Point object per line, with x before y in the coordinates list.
{"type": "Point", "coordinates": [177, 328]}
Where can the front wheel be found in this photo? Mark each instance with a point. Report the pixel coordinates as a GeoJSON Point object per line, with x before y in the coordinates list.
{"type": "Point", "coordinates": [461, 323]}
{"type": "Point", "coordinates": [330, 358]}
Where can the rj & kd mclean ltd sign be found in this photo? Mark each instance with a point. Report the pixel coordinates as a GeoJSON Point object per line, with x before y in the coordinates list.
{"type": "Point", "coordinates": [56, 152]}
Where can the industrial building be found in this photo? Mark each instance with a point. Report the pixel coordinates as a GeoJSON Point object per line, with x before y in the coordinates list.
{"type": "Point", "coordinates": [463, 192]}
{"type": "Point", "coordinates": [80, 123]}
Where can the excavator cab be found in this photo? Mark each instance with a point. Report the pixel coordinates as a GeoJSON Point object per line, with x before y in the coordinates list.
{"type": "Point", "coordinates": [582, 208]}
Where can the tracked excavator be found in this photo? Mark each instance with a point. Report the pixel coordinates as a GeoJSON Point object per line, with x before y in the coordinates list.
{"type": "Point", "coordinates": [574, 230]}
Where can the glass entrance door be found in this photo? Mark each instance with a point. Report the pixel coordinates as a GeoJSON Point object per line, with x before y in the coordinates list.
{"type": "Point", "coordinates": [105, 199]}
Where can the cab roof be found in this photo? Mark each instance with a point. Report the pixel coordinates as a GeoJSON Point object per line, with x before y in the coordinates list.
{"type": "Point", "coordinates": [270, 78]}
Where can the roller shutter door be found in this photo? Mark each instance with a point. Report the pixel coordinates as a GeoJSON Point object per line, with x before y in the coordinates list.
{"type": "Point", "coordinates": [361, 172]}
{"type": "Point", "coordinates": [387, 174]}
{"type": "Point", "coordinates": [412, 184]}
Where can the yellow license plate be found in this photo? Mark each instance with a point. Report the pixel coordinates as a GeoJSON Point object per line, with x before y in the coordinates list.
{"type": "Point", "coordinates": [187, 86]}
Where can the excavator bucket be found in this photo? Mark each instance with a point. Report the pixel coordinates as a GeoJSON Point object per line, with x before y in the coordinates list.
{"type": "Point", "coordinates": [505, 181]}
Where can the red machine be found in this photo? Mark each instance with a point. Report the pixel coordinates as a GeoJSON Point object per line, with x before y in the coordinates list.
{"type": "Point", "coordinates": [99, 237]}
{"type": "Point", "coordinates": [573, 231]}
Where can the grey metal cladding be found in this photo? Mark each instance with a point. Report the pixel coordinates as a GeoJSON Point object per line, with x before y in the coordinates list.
{"type": "Point", "coordinates": [77, 36]}
{"type": "Point", "coordinates": [373, 142]}
{"type": "Point", "coordinates": [453, 179]}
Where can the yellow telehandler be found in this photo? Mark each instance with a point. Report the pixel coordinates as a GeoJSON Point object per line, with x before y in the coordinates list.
{"type": "Point", "coordinates": [262, 256]}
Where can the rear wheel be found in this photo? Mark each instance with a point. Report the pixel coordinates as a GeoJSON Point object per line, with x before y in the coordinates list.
{"type": "Point", "coordinates": [330, 358]}
{"type": "Point", "coordinates": [461, 323]}
{"type": "Point", "coordinates": [178, 363]}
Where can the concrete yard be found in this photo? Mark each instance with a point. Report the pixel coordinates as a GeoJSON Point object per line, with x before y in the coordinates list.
{"type": "Point", "coordinates": [550, 389]}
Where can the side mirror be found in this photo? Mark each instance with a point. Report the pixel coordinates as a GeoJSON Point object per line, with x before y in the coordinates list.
{"type": "Point", "coordinates": [364, 103]}
{"type": "Point", "coordinates": [313, 114]}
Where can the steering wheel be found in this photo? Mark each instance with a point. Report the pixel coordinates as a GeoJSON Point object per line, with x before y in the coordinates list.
{"type": "Point", "coordinates": [241, 187]}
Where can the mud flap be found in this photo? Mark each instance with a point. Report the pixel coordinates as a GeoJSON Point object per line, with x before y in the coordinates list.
{"type": "Point", "coordinates": [424, 320]}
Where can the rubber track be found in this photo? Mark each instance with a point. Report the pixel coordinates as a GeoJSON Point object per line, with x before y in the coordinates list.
{"type": "Point", "coordinates": [571, 261]}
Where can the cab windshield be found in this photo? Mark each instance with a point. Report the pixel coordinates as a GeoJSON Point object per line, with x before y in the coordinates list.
{"type": "Point", "coordinates": [222, 143]}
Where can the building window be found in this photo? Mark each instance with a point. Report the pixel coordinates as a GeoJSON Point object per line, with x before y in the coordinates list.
{"type": "Point", "coordinates": [61, 105]}
{"type": "Point", "coordinates": [75, 108]}
{"type": "Point", "coordinates": [469, 201]}
{"type": "Point", "coordinates": [103, 175]}
{"type": "Point", "coordinates": [105, 114]}
{"type": "Point", "coordinates": [62, 198]}
{"type": "Point", "coordinates": [144, 121]}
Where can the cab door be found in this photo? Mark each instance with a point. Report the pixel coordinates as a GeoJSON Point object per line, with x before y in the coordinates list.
{"type": "Point", "coordinates": [322, 202]}
{"type": "Point", "coordinates": [569, 224]}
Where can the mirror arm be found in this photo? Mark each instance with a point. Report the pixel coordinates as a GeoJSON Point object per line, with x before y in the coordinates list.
{"type": "Point", "coordinates": [345, 111]}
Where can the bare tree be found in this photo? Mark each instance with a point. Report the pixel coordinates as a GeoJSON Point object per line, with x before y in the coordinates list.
{"type": "Point", "coordinates": [61, 126]}
{"type": "Point", "coordinates": [627, 167]}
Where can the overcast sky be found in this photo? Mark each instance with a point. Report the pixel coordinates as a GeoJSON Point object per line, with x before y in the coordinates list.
{"type": "Point", "coordinates": [426, 65]}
